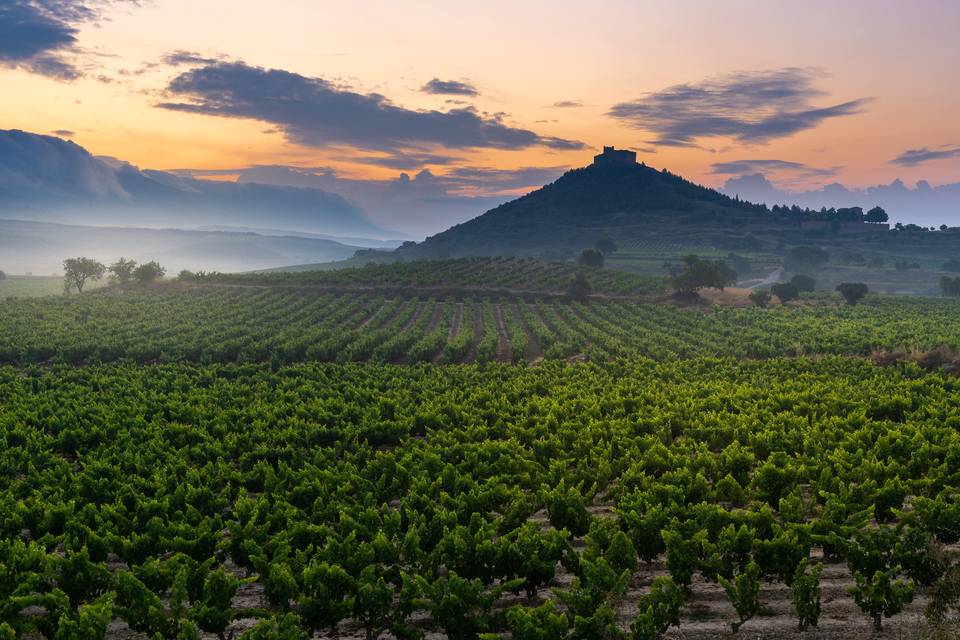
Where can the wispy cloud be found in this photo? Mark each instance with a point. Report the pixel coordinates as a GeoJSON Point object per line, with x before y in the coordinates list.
{"type": "Point", "coordinates": [764, 166]}
{"type": "Point", "coordinates": [750, 107]}
{"type": "Point", "coordinates": [567, 104]}
{"type": "Point", "coordinates": [914, 157]}
{"type": "Point", "coordinates": [318, 113]}
{"type": "Point", "coordinates": [450, 88]}
{"type": "Point", "coordinates": [40, 36]}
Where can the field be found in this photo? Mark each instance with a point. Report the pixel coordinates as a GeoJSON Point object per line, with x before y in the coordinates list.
{"type": "Point", "coordinates": [288, 459]}
{"type": "Point", "coordinates": [30, 286]}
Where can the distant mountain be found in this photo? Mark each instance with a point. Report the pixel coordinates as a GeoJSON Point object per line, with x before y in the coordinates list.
{"type": "Point", "coordinates": [40, 248]}
{"type": "Point", "coordinates": [370, 243]}
{"type": "Point", "coordinates": [49, 179]}
{"type": "Point", "coordinates": [923, 205]}
{"type": "Point", "coordinates": [625, 201]}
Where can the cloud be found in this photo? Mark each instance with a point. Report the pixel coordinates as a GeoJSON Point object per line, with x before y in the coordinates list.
{"type": "Point", "coordinates": [64, 133]}
{"type": "Point", "coordinates": [449, 88]}
{"type": "Point", "coordinates": [182, 58]}
{"type": "Point", "coordinates": [750, 107]}
{"type": "Point", "coordinates": [914, 157]}
{"type": "Point", "coordinates": [40, 36]}
{"type": "Point", "coordinates": [317, 113]}
{"type": "Point", "coordinates": [405, 161]}
{"type": "Point", "coordinates": [567, 104]}
{"type": "Point", "coordinates": [746, 167]}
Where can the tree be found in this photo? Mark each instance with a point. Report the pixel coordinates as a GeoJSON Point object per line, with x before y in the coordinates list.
{"type": "Point", "coordinates": [760, 297]}
{"type": "Point", "coordinates": [876, 216]}
{"type": "Point", "coordinates": [950, 286]}
{"type": "Point", "coordinates": [326, 598]}
{"type": "Point", "coordinates": [803, 282]}
{"type": "Point", "coordinates": [3, 276]}
{"type": "Point", "coordinates": [806, 594]}
{"type": "Point", "coordinates": [699, 273]}
{"type": "Point", "coordinates": [744, 594]}
{"type": "Point", "coordinates": [853, 292]}
{"type": "Point", "coordinates": [148, 272]}
{"type": "Point", "coordinates": [77, 271]}
{"type": "Point", "coordinates": [785, 292]}
{"type": "Point", "coordinates": [579, 287]}
{"type": "Point", "coordinates": [605, 245]}
{"type": "Point", "coordinates": [953, 264]}
{"type": "Point", "coordinates": [121, 270]}
{"type": "Point", "coordinates": [591, 258]}
{"type": "Point", "coordinates": [881, 595]}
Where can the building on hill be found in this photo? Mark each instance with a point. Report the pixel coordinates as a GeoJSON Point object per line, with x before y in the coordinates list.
{"type": "Point", "coordinates": [611, 156]}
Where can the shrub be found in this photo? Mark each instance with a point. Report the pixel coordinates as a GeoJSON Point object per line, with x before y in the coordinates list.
{"type": "Point", "coordinates": [591, 258]}
{"type": "Point", "coordinates": [744, 594]}
{"type": "Point", "coordinates": [853, 292]}
{"type": "Point", "coordinates": [785, 292]}
{"type": "Point", "coordinates": [803, 282]}
{"type": "Point", "coordinates": [657, 611]}
{"type": "Point", "coordinates": [806, 594]}
{"type": "Point", "coordinates": [761, 297]}
{"type": "Point", "coordinates": [882, 595]}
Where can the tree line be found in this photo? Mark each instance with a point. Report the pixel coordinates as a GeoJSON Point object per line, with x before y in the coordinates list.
{"type": "Point", "coordinates": [79, 271]}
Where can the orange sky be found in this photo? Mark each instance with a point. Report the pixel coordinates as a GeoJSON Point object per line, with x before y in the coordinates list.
{"type": "Point", "coordinates": [522, 57]}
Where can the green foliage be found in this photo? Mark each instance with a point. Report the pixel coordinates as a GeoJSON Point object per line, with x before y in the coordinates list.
{"type": "Point", "coordinates": [853, 292]}
{"type": "Point", "coordinates": [122, 270]}
{"type": "Point", "coordinates": [785, 291]}
{"type": "Point", "coordinates": [77, 271]}
{"type": "Point", "coordinates": [657, 610]}
{"type": "Point", "coordinates": [761, 297]}
{"type": "Point", "coordinates": [540, 623]}
{"type": "Point", "coordinates": [803, 283]}
{"type": "Point", "coordinates": [327, 596]}
{"type": "Point", "coordinates": [699, 273]}
{"type": "Point", "coordinates": [950, 286]}
{"type": "Point", "coordinates": [579, 288]}
{"type": "Point", "coordinates": [284, 626]}
{"type": "Point", "coordinates": [744, 594]}
{"type": "Point", "coordinates": [881, 595]}
{"type": "Point", "coordinates": [567, 508]}
{"type": "Point", "coordinates": [148, 272]}
{"type": "Point", "coordinates": [806, 594]}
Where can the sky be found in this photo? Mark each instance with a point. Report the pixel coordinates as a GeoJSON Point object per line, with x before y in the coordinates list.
{"type": "Point", "coordinates": [479, 101]}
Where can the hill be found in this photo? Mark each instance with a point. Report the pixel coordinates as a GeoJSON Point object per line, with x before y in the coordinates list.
{"type": "Point", "coordinates": [44, 178]}
{"type": "Point", "coordinates": [628, 202]}
{"type": "Point", "coordinates": [40, 247]}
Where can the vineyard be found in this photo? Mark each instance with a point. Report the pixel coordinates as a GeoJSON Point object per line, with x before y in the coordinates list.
{"type": "Point", "coordinates": [282, 460]}
{"type": "Point", "coordinates": [470, 274]}
{"type": "Point", "coordinates": [218, 324]}
{"type": "Point", "coordinates": [565, 500]}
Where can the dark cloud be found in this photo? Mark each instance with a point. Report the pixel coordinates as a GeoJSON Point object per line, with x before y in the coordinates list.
{"type": "Point", "coordinates": [567, 104]}
{"type": "Point", "coordinates": [40, 36]}
{"type": "Point", "coordinates": [749, 107]}
{"type": "Point", "coordinates": [449, 88]}
{"type": "Point", "coordinates": [64, 133]}
{"type": "Point", "coordinates": [317, 113]}
{"type": "Point", "coordinates": [913, 157]}
{"type": "Point", "coordinates": [182, 58]}
{"type": "Point", "coordinates": [746, 167]}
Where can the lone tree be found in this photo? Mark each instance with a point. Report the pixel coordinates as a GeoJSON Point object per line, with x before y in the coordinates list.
{"type": "Point", "coordinates": [876, 215]}
{"type": "Point", "coordinates": [148, 272]}
{"type": "Point", "coordinates": [122, 270]}
{"type": "Point", "coordinates": [78, 270]}
{"type": "Point", "coordinates": [699, 273]}
{"type": "Point", "coordinates": [785, 291]}
{"type": "Point", "coordinates": [853, 292]}
{"type": "Point", "coordinates": [3, 276]}
{"type": "Point", "coordinates": [591, 258]}
{"type": "Point", "coordinates": [803, 282]}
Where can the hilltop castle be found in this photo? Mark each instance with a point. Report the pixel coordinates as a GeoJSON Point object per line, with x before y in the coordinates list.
{"type": "Point", "coordinates": [611, 156]}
